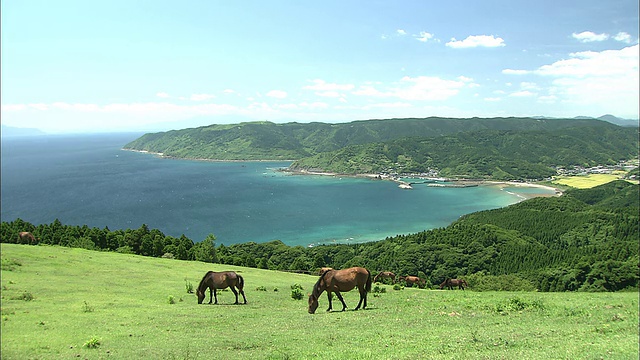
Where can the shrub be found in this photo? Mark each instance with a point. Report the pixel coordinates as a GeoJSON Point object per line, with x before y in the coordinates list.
{"type": "Point", "coordinates": [398, 287]}
{"type": "Point", "coordinates": [87, 308]}
{"type": "Point", "coordinates": [296, 292]}
{"type": "Point", "coordinates": [379, 289]}
{"type": "Point", "coordinates": [261, 288]}
{"type": "Point", "coordinates": [172, 300]}
{"type": "Point", "coordinates": [189, 286]}
{"type": "Point", "coordinates": [92, 343]}
{"type": "Point", "coordinates": [26, 296]}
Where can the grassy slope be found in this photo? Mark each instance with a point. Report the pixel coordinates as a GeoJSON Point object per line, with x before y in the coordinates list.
{"type": "Point", "coordinates": [122, 300]}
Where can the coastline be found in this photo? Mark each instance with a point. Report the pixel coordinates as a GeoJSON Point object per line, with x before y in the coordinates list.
{"type": "Point", "coordinates": [502, 185]}
{"type": "Point", "coordinates": [162, 155]}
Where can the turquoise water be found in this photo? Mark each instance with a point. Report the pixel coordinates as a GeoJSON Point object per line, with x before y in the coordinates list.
{"type": "Point", "coordinates": [89, 180]}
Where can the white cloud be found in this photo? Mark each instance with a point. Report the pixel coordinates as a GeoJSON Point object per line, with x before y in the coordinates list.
{"type": "Point", "coordinates": [162, 95]}
{"type": "Point", "coordinates": [622, 62]}
{"type": "Point", "coordinates": [421, 88]}
{"type": "Point", "coordinates": [476, 41]}
{"type": "Point", "coordinates": [514, 72]}
{"type": "Point", "coordinates": [522, 93]}
{"type": "Point", "coordinates": [492, 99]}
{"type": "Point", "coordinates": [606, 81]}
{"type": "Point", "coordinates": [228, 91]}
{"type": "Point", "coordinates": [424, 36]}
{"type": "Point", "coordinates": [401, 32]}
{"type": "Point", "coordinates": [589, 36]}
{"type": "Point", "coordinates": [201, 97]}
{"type": "Point", "coordinates": [330, 94]}
{"type": "Point", "coordinates": [321, 85]}
{"type": "Point", "coordinates": [278, 94]}
{"type": "Point", "coordinates": [623, 37]}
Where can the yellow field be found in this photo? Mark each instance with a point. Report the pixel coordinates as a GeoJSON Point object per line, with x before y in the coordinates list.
{"type": "Point", "coordinates": [586, 181]}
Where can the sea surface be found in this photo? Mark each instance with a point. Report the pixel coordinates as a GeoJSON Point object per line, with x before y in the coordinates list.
{"type": "Point", "coordinates": [89, 179]}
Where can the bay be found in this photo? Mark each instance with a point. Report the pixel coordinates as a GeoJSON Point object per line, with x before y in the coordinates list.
{"type": "Point", "coordinates": [89, 179]}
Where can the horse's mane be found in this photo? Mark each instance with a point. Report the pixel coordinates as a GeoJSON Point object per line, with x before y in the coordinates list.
{"type": "Point", "coordinates": [202, 284]}
{"type": "Point", "coordinates": [316, 288]}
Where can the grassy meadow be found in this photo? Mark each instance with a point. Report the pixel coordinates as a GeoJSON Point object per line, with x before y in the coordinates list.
{"type": "Point", "coordinates": [72, 303]}
{"type": "Point", "coordinates": [586, 181]}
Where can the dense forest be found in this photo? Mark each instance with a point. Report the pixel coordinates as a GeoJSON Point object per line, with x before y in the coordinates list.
{"type": "Point", "coordinates": [494, 154]}
{"type": "Point", "coordinates": [585, 240]}
{"type": "Point", "coordinates": [496, 148]}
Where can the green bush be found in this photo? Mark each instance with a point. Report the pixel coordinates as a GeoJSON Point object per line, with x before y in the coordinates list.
{"type": "Point", "coordinates": [189, 287]}
{"type": "Point", "coordinates": [296, 292]}
{"type": "Point", "coordinates": [92, 343]}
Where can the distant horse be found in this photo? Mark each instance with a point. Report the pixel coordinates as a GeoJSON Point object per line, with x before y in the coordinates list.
{"type": "Point", "coordinates": [220, 280]}
{"type": "Point", "coordinates": [335, 281]}
{"type": "Point", "coordinates": [451, 283]}
{"type": "Point", "coordinates": [25, 237]}
{"type": "Point", "coordinates": [385, 275]}
{"type": "Point", "coordinates": [413, 280]}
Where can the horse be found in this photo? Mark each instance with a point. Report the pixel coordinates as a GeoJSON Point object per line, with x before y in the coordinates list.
{"type": "Point", "coordinates": [385, 275]}
{"type": "Point", "coordinates": [413, 280]}
{"type": "Point", "coordinates": [335, 281]}
{"type": "Point", "coordinates": [451, 283]}
{"type": "Point", "coordinates": [25, 237]}
{"type": "Point", "coordinates": [220, 280]}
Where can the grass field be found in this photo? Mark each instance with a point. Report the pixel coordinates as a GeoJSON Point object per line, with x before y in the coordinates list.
{"type": "Point", "coordinates": [62, 303]}
{"type": "Point", "coordinates": [586, 181]}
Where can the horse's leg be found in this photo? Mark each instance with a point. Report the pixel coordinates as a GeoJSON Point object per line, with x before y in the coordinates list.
{"type": "Point", "coordinates": [344, 305]}
{"type": "Point", "coordinates": [244, 297]}
{"type": "Point", "coordinates": [362, 297]}
{"type": "Point", "coordinates": [329, 297]}
{"type": "Point", "coordinates": [234, 293]}
{"type": "Point", "coordinates": [215, 294]}
{"type": "Point", "coordinates": [210, 295]}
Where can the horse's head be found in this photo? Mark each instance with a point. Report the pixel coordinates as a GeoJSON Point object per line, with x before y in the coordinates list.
{"type": "Point", "coordinates": [313, 303]}
{"type": "Point", "coordinates": [200, 296]}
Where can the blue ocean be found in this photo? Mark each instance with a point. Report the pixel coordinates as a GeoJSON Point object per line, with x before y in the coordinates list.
{"type": "Point", "coordinates": [89, 179]}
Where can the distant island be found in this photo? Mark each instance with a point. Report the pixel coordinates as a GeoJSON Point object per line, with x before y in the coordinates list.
{"type": "Point", "coordinates": [505, 149]}
{"type": "Point", "coordinates": [11, 131]}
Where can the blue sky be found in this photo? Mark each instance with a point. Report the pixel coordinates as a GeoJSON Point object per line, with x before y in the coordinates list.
{"type": "Point", "coordinates": [94, 66]}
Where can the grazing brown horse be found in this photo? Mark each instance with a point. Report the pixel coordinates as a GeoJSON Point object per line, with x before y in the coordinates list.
{"type": "Point", "coordinates": [451, 283]}
{"type": "Point", "coordinates": [220, 280]}
{"type": "Point", "coordinates": [25, 237]}
{"type": "Point", "coordinates": [385, 275]}
{"type": "Point", "coordinates": [413, 280]}
{"type": "Point", "coordinates": [335, 281]}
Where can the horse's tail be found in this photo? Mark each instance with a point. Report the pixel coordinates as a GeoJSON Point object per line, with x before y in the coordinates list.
{"type": "Point", "coordinates": [240, 285]}
{"type": "Point", "coordinates": [368, 285]}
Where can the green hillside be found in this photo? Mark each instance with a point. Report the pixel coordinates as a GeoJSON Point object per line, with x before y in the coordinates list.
{"type": "Point", "coordinates": [291, 141]}
{"type": "Point", "coordinates": [68, 303]}
{"type": "Point", "coordinates": [494, 154]}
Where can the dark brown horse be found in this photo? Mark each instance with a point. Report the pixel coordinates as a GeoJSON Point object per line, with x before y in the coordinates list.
{"type": "Point", "coordinates": [385, 275]}
{"type": "Point", "coordinates": [413, 280]}
{"type": "Point", "coordinates": [25, 237]}
{"type": "Point", "coordinates": [220, 280]}
{"type": "Point", "coordinates": [335, 281]}
{"type": "Point", "coordinates": [451, 283]}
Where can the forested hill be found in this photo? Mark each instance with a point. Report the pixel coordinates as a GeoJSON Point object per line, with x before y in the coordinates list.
{"type": "Point", "coordinates": [292, 141]}
{"type": "Point", "coordinates": [494, 154]}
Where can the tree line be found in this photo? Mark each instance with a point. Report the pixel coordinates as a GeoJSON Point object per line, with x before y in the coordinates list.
{"type": "Point", "coordinates": [585, 240]}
